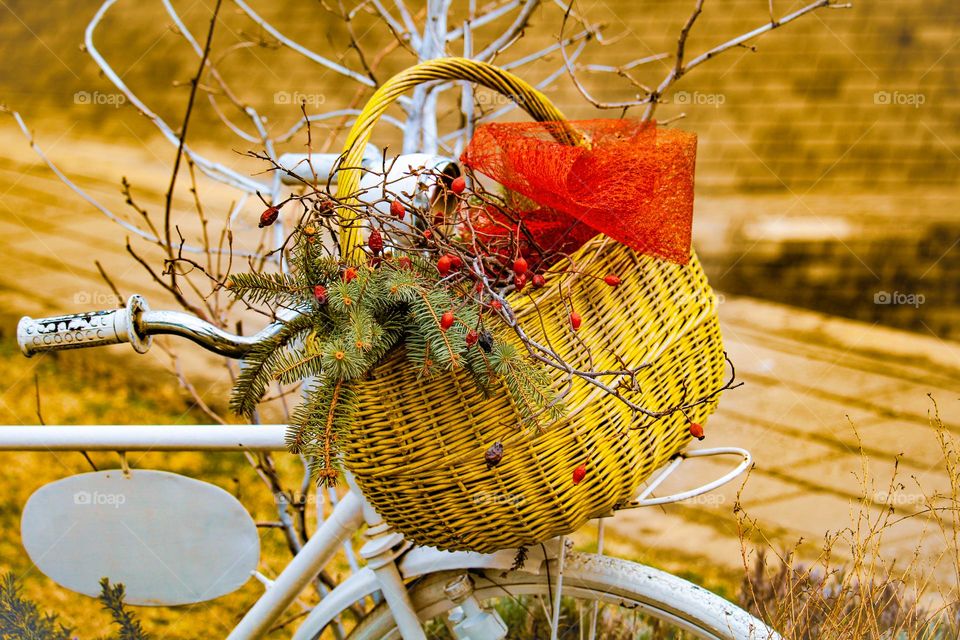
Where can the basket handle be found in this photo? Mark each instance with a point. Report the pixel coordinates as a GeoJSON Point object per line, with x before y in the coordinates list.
{"type": "Point", "coordinates": [348, 179]}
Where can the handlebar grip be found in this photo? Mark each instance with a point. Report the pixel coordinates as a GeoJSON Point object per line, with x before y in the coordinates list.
{"type": "Point", "coordinates": [80, 330]}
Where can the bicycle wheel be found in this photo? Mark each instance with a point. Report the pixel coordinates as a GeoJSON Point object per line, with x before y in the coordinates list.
{"type": "Point", "coordinates": [627, 601]}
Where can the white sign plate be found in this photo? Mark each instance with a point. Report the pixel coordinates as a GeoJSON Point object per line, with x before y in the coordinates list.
{"type": "Point", "coordinates": [168, 538]}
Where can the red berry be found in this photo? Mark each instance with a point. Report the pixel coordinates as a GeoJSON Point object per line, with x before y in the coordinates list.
{"type": "Point", "coordinates": [398, 210]}
{"type": "Point", "coordinates": [520, 266]}
{"type": "Point", "coordinates": [496, 305]}
{"type": "Point", "coordinates": [427, 234]}
{"type": "Point", "coordinates": [375, 242]}
{"type": "Point", "coordinates": [471, 337]}
{"type": "Point", "coordinates": [520, 281]}
{"type": "Point", "coordinates": [579, 473]}
{"type": "Point", "coordinates": [446, 320]}
{"type": "Point", "coordinates": [479, 287]}
{"type": "Point", "coordinates": [444, 264]}
{"type": "Point", "coordinates": [575, 320]}
{"type": "Point", "coordinates": [404, 262]}
{"type": "Point", "coordinates": [458, 185]}
{"type": "Point", "coordinates": [456, 261]}
{"type": "Point", "coordinates": [268, 217]}
{"type": "Point", "coordinates": [696, 430]}
{"type": "Point", "coordinates": [320, 293]}
{"type": "Point", "coordinates": [349, 274]}
{"type": "Point", "coordinates": [612, 280]}
{"type": "Point", "coordinates": [538, 281]}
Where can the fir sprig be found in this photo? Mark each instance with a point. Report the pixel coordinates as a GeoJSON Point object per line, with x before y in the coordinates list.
{"type": "Point", "coordinates": [21, 619]}
{"type": "Point", "coordinates": [128, 627]}
{"type": "Point", "coordinates": [363, 313]}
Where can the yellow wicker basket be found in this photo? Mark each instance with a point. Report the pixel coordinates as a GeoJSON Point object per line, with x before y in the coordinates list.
{"type": "Point", "coordinates": [417, 450]}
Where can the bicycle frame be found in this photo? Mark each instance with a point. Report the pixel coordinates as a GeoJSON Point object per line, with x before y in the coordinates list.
{"type": "Point", "coordinates": [390, 560]}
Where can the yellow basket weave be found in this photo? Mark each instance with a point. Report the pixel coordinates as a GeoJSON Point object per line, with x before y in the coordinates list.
{"type": "Point", "coordinates": [417, 450]}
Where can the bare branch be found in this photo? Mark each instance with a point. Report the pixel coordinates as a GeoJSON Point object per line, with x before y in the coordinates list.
{"type": "Point", "coordinates": [302, 50]}
{"type": "Point", "coordinates": [406, 34]}
{"type": "Point", "coordinates": [106, 278]}
{"type": "Point", "coordinates": [513, 32]}
{"type": "Point", "coordinates": [214, 170]}
{"type": "Point", "coordinates": [183, 138]}
{"type": "Point", "coordinates": [681, 69]}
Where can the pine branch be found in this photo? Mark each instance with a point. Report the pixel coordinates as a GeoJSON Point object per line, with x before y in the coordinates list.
{"type": "Point", "coordinates": [328, 472]}
{"type": "Point", "coordinates": [20, 619]}
{"type": "Point", "coordinates": [259, 365]}
{"type": "Point", "coordinates": [341, 360]}
{"type": "Point", "coordinates": [316, 425]}
{"type": "Point", "coordinates": [266, 288]}
{"type": "Point", "coordinates": [343, 297]}
{"type": "Point", "coordinates": [293, 365]}
{"type": "Point", "coordinates": [128, 627]}
{"type": "Point", "coordinates": [529, 386]}
{"type": "Point", "coordinates": [480, 367]}
{"type": "Point", "coordinates": [311, 264]}
{"type": "Point", "coordinates": [445, 346]}
{"type": "Point", "coordinates": [402, 285]}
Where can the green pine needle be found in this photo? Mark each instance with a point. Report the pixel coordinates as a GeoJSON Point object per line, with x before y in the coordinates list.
{"type": "Point", "coordinates": [339, 340]}
{"type": "Point", "coordinates": [20, 619]}
{"type": "Point", "coordinates": [128, 627]}
{"type": "Point", "coordinates": [260, 365]}
{"type": "Point", "coordinates": [266, 288]}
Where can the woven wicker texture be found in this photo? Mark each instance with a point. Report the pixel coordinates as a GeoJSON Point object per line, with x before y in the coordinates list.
{"type": "Point", "coordinates": [417, 448]}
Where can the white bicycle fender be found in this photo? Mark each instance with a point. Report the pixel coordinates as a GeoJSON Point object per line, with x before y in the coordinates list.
{"type": "Point", "coordinates": [360, 585]}
{"type": "Point", "coordinates": [423, 560]}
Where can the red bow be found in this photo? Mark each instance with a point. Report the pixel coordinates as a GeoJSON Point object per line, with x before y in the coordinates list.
{"type": "Point", "coordinates": [634, 183]}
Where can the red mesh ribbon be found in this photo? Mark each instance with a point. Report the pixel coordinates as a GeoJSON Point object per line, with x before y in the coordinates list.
{"type": "Point", "coordinates": [634, 184]}
{"type": "Point", "coordinates": [554, 233]}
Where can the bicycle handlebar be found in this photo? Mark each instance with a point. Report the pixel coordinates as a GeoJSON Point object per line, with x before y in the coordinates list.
{"type": "Point", "coordinates": [135, 323]}
{"type": "Point", "coordinates": [80, 330]}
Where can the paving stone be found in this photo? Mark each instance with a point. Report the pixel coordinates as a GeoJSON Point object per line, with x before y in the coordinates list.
{"type": "Point", "coordinates": [915, 440]}
{"type": "Point", "coordinates": [793, 370]}
{"type": "Point", "coordinates": [769, 446]}
{"type": "Point", "coordinates": [772, 406]}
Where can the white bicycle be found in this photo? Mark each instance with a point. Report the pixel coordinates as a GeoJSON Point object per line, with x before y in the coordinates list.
{"type": "Point", "coordinates": [416, 592]}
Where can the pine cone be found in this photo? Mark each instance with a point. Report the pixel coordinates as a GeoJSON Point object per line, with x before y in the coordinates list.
{"type": "Point", "coordinates": [494, 455]}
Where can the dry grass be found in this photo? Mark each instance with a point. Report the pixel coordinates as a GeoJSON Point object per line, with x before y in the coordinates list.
{"type": "Point", "coordinates": [860, 585]}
